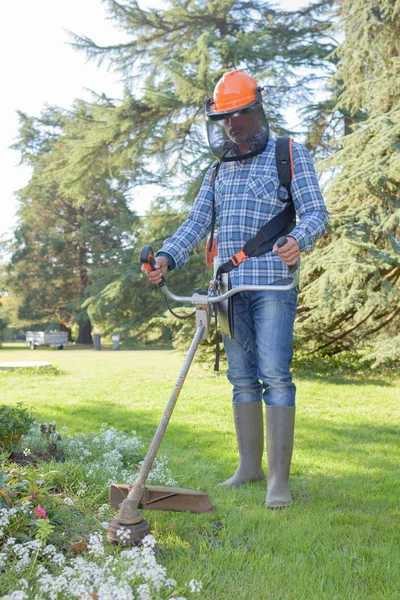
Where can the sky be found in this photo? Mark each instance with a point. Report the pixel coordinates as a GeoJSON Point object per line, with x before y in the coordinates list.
{"type": "Point", "coordinates": [43, 68]}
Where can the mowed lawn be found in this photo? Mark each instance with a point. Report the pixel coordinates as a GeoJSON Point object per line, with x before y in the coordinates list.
{"type": "Point", "coordinates": [340, 539]}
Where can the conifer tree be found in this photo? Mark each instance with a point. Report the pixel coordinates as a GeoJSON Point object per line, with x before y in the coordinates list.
{"type": "Point", "coordinates": [73, 219]}
{"type": "Point", "coordinates": [172, 59]}
{"type": "Point", "coordinates": [351, 297]}
{"type": "Point", "coordinates": [170, 63]}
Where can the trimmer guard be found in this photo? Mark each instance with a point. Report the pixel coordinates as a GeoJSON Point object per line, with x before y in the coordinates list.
{"type": "Point", "coordinates": [225, 308]}
{"type": "Point", "coordinates": [158, 497]}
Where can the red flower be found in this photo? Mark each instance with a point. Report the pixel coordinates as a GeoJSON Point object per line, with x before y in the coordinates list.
{"type": "Point", "coordinates": [40, 512]}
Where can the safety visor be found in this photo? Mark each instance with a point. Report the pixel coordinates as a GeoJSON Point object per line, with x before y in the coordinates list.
{"type": "Point", "coordinates": [237, 134]}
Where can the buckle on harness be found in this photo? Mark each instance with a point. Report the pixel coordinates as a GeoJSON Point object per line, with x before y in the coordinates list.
{"type": "Point", "coordinates": [239, 257]}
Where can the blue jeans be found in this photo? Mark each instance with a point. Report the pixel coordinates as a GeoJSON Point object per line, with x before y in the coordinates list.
{"type": "Point", "coordinates": [260, 353]}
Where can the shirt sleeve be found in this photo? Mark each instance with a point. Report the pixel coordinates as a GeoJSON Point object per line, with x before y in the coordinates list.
{"type": "Point", "coordinates": [194, 229]}
{"type": "Point", "coordinates": [313, 216]}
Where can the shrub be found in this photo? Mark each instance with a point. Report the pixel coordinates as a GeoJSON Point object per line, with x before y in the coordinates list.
{"type": "Point", "coordinates": [14, 423]}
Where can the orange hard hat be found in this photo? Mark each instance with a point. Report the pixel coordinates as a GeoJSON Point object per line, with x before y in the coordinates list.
{"type": "Point", "coordinates": [234, 91]}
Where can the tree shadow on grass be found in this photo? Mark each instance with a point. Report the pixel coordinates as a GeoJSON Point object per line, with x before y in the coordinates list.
{"type": "Point", "coordinates": [195, 450]}
{"type": "Point", "coordinates": [372, 448]}
{"type": "Point", "coordinates": [353, 379]}
{"type": "Point", "coordinates": [343, 369]}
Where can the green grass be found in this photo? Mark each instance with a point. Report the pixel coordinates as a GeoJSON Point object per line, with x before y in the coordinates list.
{"type": "Point", "coordinates": [340, 539]}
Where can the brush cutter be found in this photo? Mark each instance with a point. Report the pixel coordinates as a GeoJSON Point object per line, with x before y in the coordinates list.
{"type": "Point", "coordinates": [130, 498]}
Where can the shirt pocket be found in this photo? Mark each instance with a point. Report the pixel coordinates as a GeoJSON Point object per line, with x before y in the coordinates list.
{"type": "Point", "coordinates": [262, 188]}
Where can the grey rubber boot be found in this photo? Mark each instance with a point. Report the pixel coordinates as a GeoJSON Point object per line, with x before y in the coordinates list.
{"type": "Point", "coordinates": [280, 433]}
{"type": "Point", "coordinates": [250, 439]}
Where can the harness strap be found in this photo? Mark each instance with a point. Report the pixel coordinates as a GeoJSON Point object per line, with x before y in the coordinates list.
{"type": "Point", "coordinates": [285, 166]}
{"type": "Point", "coordinates": [213, 177]}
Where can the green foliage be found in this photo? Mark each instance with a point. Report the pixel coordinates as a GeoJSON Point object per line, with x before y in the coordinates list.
{"type": "Point", "coordinates": [175, 55]}
{"type": "Point", "coordinates": [47, 445]}
{"type": "Point", "coordinates": [10, 484]}
{"type": "Point", "coordinates": [350, 295]}
{"type": "Point", "coordinates": [182, 333]}
{"type": "Point", "coordinates": [14, 422]}
{"type": "Point", "coordinates": [74, 219]}
{"type": "Point", "coordinates": [74, 252]}
{"type": "Point", "coordinates": [44, 530]}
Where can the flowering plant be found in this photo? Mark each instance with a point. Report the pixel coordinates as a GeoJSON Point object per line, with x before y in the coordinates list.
{"type": "Point", "coordinates": [39, 560]}
{"type": "Point", "coordinates": [96, 573]}
{"type": "Point", "coordinates": [104, 457]}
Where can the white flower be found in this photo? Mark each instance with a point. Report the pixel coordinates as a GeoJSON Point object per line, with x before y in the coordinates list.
{"type": "Point", "coordinates": [195, 586]}
{"type": "Point", "coordinates": [144, 592]}
{"type": "Point", "coordinates": [103, 508]}
{"type": "Point", "coordinates": [123, 534]}
{"type": "Point", "coordinates": [27, 452]}
{"type": "Point", "coordinates": [17, 595]}
{"type": "Point", "coordinates": [95, 544]}
{"type": "Point", "coordinates": [69, 502]}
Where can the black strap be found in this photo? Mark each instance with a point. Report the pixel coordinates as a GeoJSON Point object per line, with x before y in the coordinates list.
{"type": "Point", "coordinates": [213, 177]}
{"type": "Point", "coordinates": [266, 237]}
{"type": "Point", "coordinates": [284, 166]}
{"type": "Point", "coordinates": [217, 349]}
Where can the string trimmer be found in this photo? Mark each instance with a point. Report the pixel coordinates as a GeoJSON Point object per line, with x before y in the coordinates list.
{"type": "Point", "coordinates": [129, 499]}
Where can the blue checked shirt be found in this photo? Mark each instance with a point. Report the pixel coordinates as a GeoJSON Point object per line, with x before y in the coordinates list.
{"type": "Point", "coordinates": [246, 199]}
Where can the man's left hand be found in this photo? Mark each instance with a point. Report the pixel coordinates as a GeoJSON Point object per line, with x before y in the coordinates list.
{"type": "Point", "coordinates": [289, 253]}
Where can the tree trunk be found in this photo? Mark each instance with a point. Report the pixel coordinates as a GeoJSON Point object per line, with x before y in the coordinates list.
{"type": "Point", "coordinates": [85, 326]}
{"type": "Point", "coordinates": [348, 122]}
{"type": "Point", "coordinates": [85, 333]}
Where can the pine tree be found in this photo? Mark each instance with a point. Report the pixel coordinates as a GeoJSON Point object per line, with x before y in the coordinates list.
{"type": "Point", "coordinates": [172, 60]}
{"type": "Point", "coordinates": [170, 63]}
{"type": "Point", "coordinates": [351, 297]}
{"type": "Point", "coordinates": [73, 219]}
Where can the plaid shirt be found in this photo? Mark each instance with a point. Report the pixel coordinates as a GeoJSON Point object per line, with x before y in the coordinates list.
{"type": "Point", "coordinates": [246, 199]}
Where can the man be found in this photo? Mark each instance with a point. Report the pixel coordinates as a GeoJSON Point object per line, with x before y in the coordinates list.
{"type": "Point", "coordinates": [244, 194]}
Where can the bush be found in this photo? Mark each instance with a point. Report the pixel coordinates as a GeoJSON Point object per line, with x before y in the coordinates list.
{"type": "Point", "coordinates": [14, 423]}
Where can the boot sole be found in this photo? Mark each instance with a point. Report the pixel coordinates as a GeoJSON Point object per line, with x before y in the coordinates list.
{"type": "Point", "coordinates": [279, 505]}
{"type": "Point", "coordinates": [236, 485]}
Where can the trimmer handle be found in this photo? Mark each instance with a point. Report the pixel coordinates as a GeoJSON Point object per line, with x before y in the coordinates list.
{"type": "Point", "coordinates": [147, 259]}
{"type": "Point", "coordinates": [281, 242]}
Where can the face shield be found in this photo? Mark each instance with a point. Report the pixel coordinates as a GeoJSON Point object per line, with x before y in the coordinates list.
{"type": "Point", "coordinates": [237, 134]}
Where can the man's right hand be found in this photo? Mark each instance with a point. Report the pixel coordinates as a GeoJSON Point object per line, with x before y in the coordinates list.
{"type": "Point", "coordinates": [161, 265]}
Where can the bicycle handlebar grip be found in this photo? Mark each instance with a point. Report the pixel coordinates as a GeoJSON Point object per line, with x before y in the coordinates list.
{"type": "Point", "coordinates": [147, 259]}
{"type": "Point", "coordinates": [281, 242]}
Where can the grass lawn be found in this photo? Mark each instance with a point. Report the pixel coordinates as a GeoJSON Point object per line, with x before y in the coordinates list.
{"type": "Point", "coordinates": [339, 540]}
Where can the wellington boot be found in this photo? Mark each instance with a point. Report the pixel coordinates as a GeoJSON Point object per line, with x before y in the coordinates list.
{"type": "Point", "coordinates": [250, 439]}
{"type": "Point", "coordinates": [280, 433]}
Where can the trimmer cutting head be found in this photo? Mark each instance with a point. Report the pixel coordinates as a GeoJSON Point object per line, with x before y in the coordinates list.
{"type": "Point", "coordinates": [128, 535]}
{"type": "Point", "coordinates": [159, 497]}
{"type": "Point", "coordinates": [129, 528]}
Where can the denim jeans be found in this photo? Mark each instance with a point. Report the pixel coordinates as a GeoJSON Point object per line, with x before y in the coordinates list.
{"type": "Point", "coordinates": [260, 353]}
